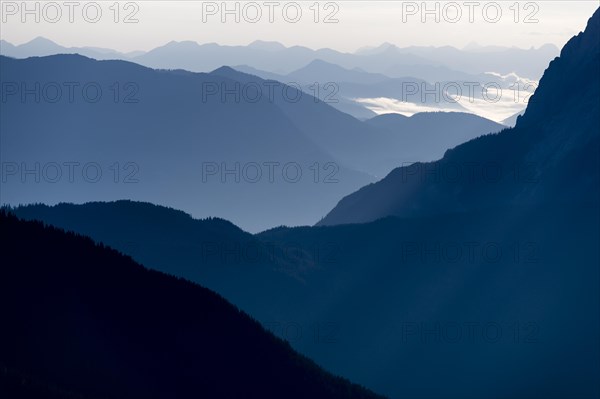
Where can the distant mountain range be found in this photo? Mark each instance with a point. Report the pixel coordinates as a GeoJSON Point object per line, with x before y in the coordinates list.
{"type": "Point", "coordinates": [379, 73]}
{"type": "Point", "coordinates": [42, 47]}
{"type": "Point", "coordinates": [275, 57]}
{"type": "Point", "coordinates": [218, 144]}
{"type": "Point", "coordinates": [341, 88]}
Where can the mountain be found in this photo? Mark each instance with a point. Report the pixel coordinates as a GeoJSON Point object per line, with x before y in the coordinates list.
{"type": "Point", "coordinates": [38, 47]}
{"type": "Point", "coordinates": [511, 121]}
{"type": "Point", "coordinates": [340, 86]}
{"type": "Point", "coordinates": [476, 286]}
{"type": "Point", "coordinates": [83, 318]}
{"type": "Point", "coordinates": [173, 138]}
{"type": "Point", "coordinates": [525, 62]}
{"type": "Point", "coordinates": [388, 121]}
{"type": "Point", "coordinates": [267, 45]}
{"type": "Point", "coordinates": [5, 47]}
{"type": "Point", "coordinates": [541, 160]}
{"type": "Point", "coordinates": [276, 58]}
{"type": "Point", "coordinates": [475, 297]}
{"type": "Point", "coordinates": [262, 74]}
{"type": "Point", "coordinates": [212, 252]}
{"type": "Point", "coordinates": [357, 145]}
{"type": "Point", "coordinates": [273, 58]}
{"type": "Point", "coordinates": [219, 144]}
{"type": "Point", "coordinates": [207, 57]}
{"type": "Point", "coordinates": [477, 302]}
{"type": "Point", "coordinates": [327, 89]}
{"type": "Point", "coordinates": [41, 47]}
{"type": "Point", "coordinates": [357, 92]}
{"type": "Point", "coordinates": [369, 50]}
{"type": "Point", "coordinates": [321, 71]}
{"type": "Point", "coordinates": [473, 58]}
{"type": "Point", "coordinates": [348, 82]}
{"type": "Point", "coordinates": [428, 135]}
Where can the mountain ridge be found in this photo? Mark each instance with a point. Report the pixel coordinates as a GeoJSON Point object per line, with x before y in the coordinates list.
{"type": "Point", "coordinates": [535, 161]}
{"type": "Point", "coordinates": [131, 343]}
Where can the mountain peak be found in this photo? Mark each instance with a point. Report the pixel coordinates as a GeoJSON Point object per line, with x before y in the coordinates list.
{"type": "Point", "coordinates": [183, 44]}
{"type": "Point", "coordinates": [472, 46]}
{"type": "Point", "coordinates": [224, 71]}
{"type": "Point", "coordinates": [385, 47]}
{"type": "Point", "coordinates": [321, 63]}
{"type": "Point", "coordinates": [267, 45]}
{"type": "Point", "coordinates": [6, 44]}
{"type": "Point", "coordinates": [40, 40]}
{"type": "Point", "coordinates": [42, 44]}
{"type": "Point", "coordinates": [382, 48]}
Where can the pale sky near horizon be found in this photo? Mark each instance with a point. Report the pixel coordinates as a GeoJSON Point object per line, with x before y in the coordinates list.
{"type": "Point", "coordinates": [359, 23]}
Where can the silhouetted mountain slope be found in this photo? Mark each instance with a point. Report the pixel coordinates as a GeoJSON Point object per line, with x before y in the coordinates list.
{"type": "Point", "coordinates": [211, 252]}
{"type": "Point", "coordinates": [321, 71]}
{"type": "Point", "coordinates": [366, 148]}
{"type": "Point", "coordinates": [511, 121]}
{"type": "Point", "coordinates": [367, 288]}
{"type": "Point", "coordinates": [501, 303]}
{"type": "Point", "coordinates": [387, 121]}
{"type": "Point", "coordinates": [14, 384]}
{"type": "Point", "coordinates": [426, 136]}
{"type": "Point", "coordinates": [551, 156]}
{"type": "Point", "coordinates": [86, 319]}
{"type": "Point", "coordinates": [197, 142]}
{"type": "Point", "coordinates": [363, 146]}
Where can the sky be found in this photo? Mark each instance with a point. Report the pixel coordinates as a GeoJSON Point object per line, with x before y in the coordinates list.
{"type": "Point", "coordinates": [341, 25]}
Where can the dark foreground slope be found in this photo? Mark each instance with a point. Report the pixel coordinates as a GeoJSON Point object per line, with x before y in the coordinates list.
{"type": "Point", "coordinates": [81, 318]}
{"type": "Point", "coordinates": [212, 252]}
{"type": "Point", "coordinates": [551, 156]}
{"type": "Point", "coordinates": [495, 304]}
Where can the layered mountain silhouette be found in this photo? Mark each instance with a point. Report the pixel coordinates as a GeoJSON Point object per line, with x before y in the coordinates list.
{"type": "Point", "coordinates": [485, 283]}
{"type": "Point", "coordinates": [473, 276]}
{"type": "Point", "coordinates": [160, 136]}
{"type": "Point", "coordinates": [349, 71]}
{"type": "Point", "coordinates": [351, 90]}
{"type": "Point", "coordinates": [196, 57]}
{"type": "Point", "coordinates": [365, 147]}
{"type": "Point", "coordinates": [551, 156]}
{"type": "Point", "coordinates": [224, 144]}
{"type": "Point", "coordinates": [478, 302]}
{"type": "Point", "coordinates": [444, 130]}
{"type": "Point", "coordinates": [275, 57]}
{"type": "Point", "coordinates": [41, 47]}
{"type": "Point", "coordinates": [82, 320]}
{"type": "Point", "coordinates": [212, 252]}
